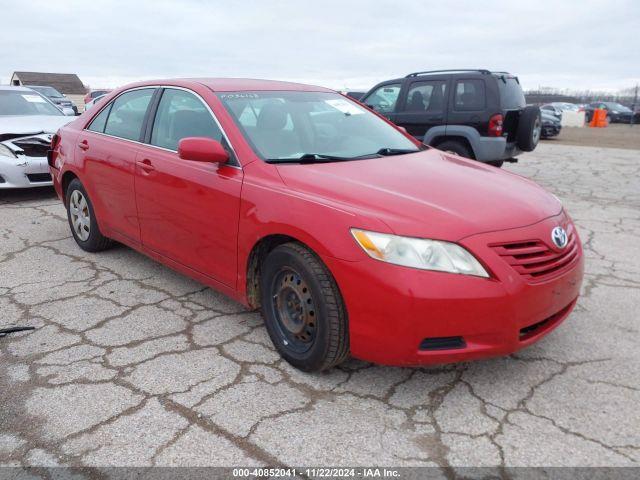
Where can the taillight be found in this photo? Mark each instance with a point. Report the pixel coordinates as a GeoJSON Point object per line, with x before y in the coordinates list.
{"type": "Point", "coordinates": [495, 126]}
{"type": "Point", "coordinates": [52, 153]}
{"type": "Point", "coordinates": [55, 139]}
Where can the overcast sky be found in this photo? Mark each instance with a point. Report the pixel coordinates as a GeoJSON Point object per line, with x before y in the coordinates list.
{"type": "Point", "coordinates": [339, 44]}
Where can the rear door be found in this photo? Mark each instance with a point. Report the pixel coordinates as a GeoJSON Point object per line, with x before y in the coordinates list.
{"type": "Point", "coordinates": [188, 210]}
{"type": "Point", "coordinates": [468, 105]}
{"type": "Point", "coordinates": [107, 148]}
{"type": "Point", "coordinates": [423, 105]}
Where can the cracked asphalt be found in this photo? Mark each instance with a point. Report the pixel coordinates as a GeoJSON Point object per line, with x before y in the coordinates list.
{"type": "Point", "coordinates": [132, 364]}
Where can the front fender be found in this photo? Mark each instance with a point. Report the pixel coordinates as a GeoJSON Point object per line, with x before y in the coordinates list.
{"type": "Point", "coordinates": [270, 208]}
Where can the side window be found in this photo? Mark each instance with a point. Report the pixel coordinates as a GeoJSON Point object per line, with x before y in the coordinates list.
{"type": "Point", "coordinates": [98, 123]}
{"type": "Point", "coordinates": [470, 95]}
{"type": "Point", "coordinates": [384, 99]}
{"type": "Point", "coordinates": [181, 114]}
{"type": "Point", "coordinates": [426, 97]}
{"type": "Point", "coordinates": [127, 114]}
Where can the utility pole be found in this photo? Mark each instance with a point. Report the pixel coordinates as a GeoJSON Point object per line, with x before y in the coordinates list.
{"type": "Point", "coordinates": [635, 105]}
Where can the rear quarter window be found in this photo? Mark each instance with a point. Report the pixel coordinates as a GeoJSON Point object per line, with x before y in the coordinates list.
{"type": "Point", "coordinates": [98, 123]}
{"type": "Point", "coordinates": [511, 94]}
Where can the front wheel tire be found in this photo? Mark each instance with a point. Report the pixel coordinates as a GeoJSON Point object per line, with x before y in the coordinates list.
{"type": "Point", "coordinates": [303, 309]}
{"type": "Point", "coordinates": [455, 147]}
{"type": "Point", "coordinates": [82, 219]}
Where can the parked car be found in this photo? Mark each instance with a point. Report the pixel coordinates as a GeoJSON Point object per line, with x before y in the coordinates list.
{"type": "Point", "coordinates": [566, 106]}
{"type": "Point", "coordinates": [349, 234]}
{"type": "Point", "coordinates": [616, 112]}
{"type": "Point", "coordinates": [27, 122]}
{"type": "Point", "coordinates": [93, 94]}
{"type": "Point", "coordinates": [355, 95]}
{"type": "Point", "coordinates": [92, 102]}
{"type": "Point", "coordinates": [553, 110]}
{"type": "Point", "coordinates": [58, 99]}
{"type": "Point", "coordinates": [551, 125]}
{"type": "Point", "coordinates": [473, 113]}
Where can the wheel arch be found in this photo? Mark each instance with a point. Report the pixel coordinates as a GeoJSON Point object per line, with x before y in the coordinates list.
{"type": "Point", "coordinates": [253, 266]}
{"type": "Point", "coordinates": [66, 179]}
{"type": "Point", "coordinates": [437, 141]}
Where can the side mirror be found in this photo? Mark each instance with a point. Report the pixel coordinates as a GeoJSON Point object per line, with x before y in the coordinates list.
{"type": "Point", "coordinates": [202, 149]}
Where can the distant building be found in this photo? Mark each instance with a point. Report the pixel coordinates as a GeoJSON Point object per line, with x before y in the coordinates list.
{"type": "Point", "coordinates": [66, 83]}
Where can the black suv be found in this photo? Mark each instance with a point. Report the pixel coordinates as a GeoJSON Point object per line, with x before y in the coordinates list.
{"type": "Point", "coordinates": [474, 113]}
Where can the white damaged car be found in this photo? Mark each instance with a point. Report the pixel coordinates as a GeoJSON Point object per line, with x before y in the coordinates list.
{"type": "Point", "coordinates": [28, 120]}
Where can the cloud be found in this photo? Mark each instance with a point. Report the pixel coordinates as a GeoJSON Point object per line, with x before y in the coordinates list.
{"type": "Point", "coordinates": [354, 44]}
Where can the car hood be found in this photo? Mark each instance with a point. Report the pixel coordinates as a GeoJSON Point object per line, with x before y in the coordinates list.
{"type": "Point", "coordinates": [19, 125]}
{"type": "Point", "coordinates": [427, 194]}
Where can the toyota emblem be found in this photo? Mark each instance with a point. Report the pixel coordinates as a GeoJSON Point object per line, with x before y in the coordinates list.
{"type": "Point", "coordinates": [559, 237]}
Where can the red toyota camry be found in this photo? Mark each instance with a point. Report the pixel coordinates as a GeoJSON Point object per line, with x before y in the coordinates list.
{"type": "Point", "coordinates": [350, 236]}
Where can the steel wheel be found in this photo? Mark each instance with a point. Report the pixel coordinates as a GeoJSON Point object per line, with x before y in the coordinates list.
{"type": "Point", "coordinates": [294, 310]}
{"type": "Point", "coordinates": [80, 216]}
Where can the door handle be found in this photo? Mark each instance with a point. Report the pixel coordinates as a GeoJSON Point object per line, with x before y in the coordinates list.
{"type": "Point", "coordinates": [146, 165]}
{"type": "Point", "coordinates": [84, 145]}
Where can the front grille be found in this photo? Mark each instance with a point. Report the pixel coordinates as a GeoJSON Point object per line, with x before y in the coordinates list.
{"type": "Point", "coordinates": [39, 177]}
{"type": "Point", "coordinates": [535, 260]}
{"type": "Point", "coordinates": [33, 146]}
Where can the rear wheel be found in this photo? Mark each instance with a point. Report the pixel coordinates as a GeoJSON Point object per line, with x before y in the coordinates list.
{"type": "Point", "coordinates": [82, 219]}
{"type": "Point", "coordinates": [303, 309]}
{"type": "Point", "coordinates": [455, 147]}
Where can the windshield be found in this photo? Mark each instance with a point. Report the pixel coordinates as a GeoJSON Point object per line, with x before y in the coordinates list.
{"type": "Point", "coordinates": [617, 106]}
{"type": "Point", "coordinates": [24, 102]}
{"type": "Point", "coordinates": [48, 91]}
{"type": "Point", "coordinates": [312, 126]}
{"type": "Point", "coordinates": [511, 95]}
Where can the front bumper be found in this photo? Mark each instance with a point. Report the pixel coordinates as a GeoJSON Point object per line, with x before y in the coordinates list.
{"type": "Point", "coordinates": [24, 172]}
{"type": "Point", "coordinates": [620, 117]}
{"type": "Point", "coordinates": [551, 130]}
{"type": "Point", "coordinates": [392, 310]}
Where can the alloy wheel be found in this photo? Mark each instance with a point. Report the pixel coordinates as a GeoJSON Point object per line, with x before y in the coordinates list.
{"type": "Point", "coordinates": [80, 216]}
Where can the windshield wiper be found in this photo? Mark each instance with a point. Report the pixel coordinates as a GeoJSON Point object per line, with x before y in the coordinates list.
{"type": "Point", "coordinates": [322, 158]}
{"type": "Point", "coordinates": [386, 151]}
{"type": "Point", "coordinates": [309, 158]}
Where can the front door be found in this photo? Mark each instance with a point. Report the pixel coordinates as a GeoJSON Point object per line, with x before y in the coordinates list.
{"type": "Point", "coordinates": [384, 99]}
{"type": "Point", "coordinates": [188, 210]}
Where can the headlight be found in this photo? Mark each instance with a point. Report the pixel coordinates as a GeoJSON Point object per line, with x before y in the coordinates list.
{"type": "Point", "coordinates": [419, 253]}
{"type": "Point", "coordinates": [6, 152]}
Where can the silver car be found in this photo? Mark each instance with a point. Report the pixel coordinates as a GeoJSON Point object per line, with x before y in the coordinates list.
{"type": "Point", "coordinates": [28, 120]}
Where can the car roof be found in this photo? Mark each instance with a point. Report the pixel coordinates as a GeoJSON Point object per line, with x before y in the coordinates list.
{"type": "Point", "coordinates": [437, 74]}
{"type": "Point", "coordinates": [232, 84]}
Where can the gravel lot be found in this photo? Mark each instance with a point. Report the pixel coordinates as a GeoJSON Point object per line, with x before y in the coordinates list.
{"type": "Point", "coordinates": [616, 135]}
{"type": "Point", "coordinates": [133, 364]}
